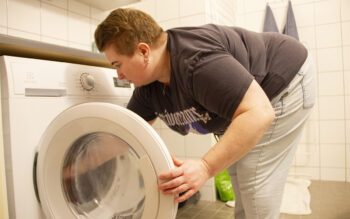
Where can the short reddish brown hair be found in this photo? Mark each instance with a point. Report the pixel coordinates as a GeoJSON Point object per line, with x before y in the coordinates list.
{"type": "Point", "coordinates": [125, 28]}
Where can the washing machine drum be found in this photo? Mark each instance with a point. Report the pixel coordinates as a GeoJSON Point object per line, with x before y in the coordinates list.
{"type": "Point", "coordinates": [100, 160]}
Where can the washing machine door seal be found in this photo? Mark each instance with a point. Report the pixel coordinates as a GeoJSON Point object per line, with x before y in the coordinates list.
{"type": "Point", "coordinates": [100, 160]}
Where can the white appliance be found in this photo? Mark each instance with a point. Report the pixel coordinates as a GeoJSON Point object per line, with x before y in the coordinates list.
{"type": "Point", "coordinates": [72, 150]}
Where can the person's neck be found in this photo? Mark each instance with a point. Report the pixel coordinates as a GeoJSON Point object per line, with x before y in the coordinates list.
{"type": "Point", "coordinates": [164, 67]}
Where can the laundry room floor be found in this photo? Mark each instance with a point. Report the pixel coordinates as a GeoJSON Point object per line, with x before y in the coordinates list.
{"type": "Point", "coordinates": [329, 200]}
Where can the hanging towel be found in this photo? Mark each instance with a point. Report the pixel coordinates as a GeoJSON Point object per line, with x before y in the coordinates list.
{"type": "Point", "coordinates": [269, 23]}
{"type": "Point", "coordinates": [296, 197]}
{"type": "Point", "coordinates": [291, 26]}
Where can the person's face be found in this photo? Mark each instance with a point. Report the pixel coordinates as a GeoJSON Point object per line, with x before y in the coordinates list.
{"type": "Point", "coordinates": [133, 68]}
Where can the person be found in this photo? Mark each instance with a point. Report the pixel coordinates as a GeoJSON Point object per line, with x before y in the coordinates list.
{"type": "Point", "coordinates": [254, 90]}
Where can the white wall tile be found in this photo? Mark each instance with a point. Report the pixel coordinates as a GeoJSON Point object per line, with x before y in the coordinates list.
{"type": "Point", "coordinates": [240, 7]}
{"type": "Point", "coordinates": [170, 13]}
{"type": "Point", "coordinates": [254, 21]}
{"type": "Point", "coordinates": [308, 172]}
{"type": "Point", "coordinates": [3, 13]}
{"type": "Point", "coordinates": [307, 155]}
{"type": "Point", "coordinates": [207, 193]}
{"type": "Point", "coordinates": [197, 145]}
{"type": "Point", "coordinates": [331, 107]}
{"type": "Point", "coordinates": [307, 37]}
{"type": "Point", "coordinates": [54, 41]}
{"type": "Point", "coordinates": [224, 17]}
{"type": "Point", "coordinates": [291, 171]}
{"type": "Point", "coordinates": [221, 12]}
{"type": "Point", "coordinates": [148, 6]}
{"type": "Point", "coordinates": [345, 9]}
{"type": "Point", "coordinates": [346, 57]}
{"type": "Point", "coordinates": [332, 132]}
{"type": "Point", "coordinates": [310, 132]}
{"type": "Point", "coordinates": [93, 26]}
{"type": "Point", "coordinates": [54, 22]}
{"type": "Point", "coordinates": [333, 174]}
{"type": "Point", "coordinates": [330, 59]}
{"type": "Point", "coordinates": [78, 29]}
{"type": "Point", "coordinates": [347, 82]}
{"type": "Point", "coordinates": [174, 142]}
{"type": "Point", "coordinates": [254, 5]}
{"type": "Point", "coordinates": [331, 83]}
{"type": "Point", "coordinates": [241, 20]}
{"type": "Point", "coordinates": [280, 18]}
{"type": "Point", "coordinates": [314, 116]}
{"type": "Point", "coordinates": [3, 30]}
{"type": "Point", "coordinates": [210, 182]}
{"type": "Point", "coordinates": [79, 7]}
{"type": "Point", "coordinates": [348, 133]}
{"type": "Point", "coordinates": [348, 156]}
{"type": "Point", "coordinates": [24, 15]}
{"type": "Point", "coordinates": [24, 35]}
{"type": "Point", "coordinates": [170, 23]}
{"type": "Point", "coordinates": [346, 32]}
{"type": "Point", "coordinates": [327, 11]}
{"type": "Point", "coordinates": [192, 7]}
{"type": "Point", "coordinates": [347, 115]}
{"type": "Point", "coordinates": [167, 10]}
{"type": "Point", "coordinates": [304, 15]}
{"type": "Point", "coordinates": [302, 1]}
{"type": "Point", "coordinates": [59, 3]}
{"type": "Point", "coordinates": [98, 14]}
{"type": "Point", "coordinates": [333, 155]}
{"type": "Point", "coordinates": [328, 35]}
{"type": "Point", "coordinates": [193, 20]}
{"type": "Point", "coordinates": [330, 44]}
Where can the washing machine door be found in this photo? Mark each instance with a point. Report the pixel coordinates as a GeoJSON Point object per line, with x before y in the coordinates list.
{"type": "Point", "coordinates": [100, 160]}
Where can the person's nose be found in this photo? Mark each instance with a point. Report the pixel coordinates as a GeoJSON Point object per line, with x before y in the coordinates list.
{"type": "Point", "coordinates": [121, 76]}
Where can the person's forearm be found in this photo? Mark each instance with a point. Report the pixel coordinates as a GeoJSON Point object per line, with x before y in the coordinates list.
{"type": "Point", "coordinates": [243, 133]}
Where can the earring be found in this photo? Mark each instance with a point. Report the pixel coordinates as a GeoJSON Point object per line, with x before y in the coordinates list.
{"type": "Point", "coordinates": [146, 60]}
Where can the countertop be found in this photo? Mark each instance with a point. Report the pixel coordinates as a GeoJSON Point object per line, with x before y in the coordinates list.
{"type": "Point", "coordinates": [15, 46]}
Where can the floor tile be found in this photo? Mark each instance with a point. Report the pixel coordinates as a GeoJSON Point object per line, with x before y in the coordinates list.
{"type": "Point", "coordinates": [329, 200]}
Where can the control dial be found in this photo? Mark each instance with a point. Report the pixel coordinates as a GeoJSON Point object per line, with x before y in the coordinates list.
{"type": "Point", "coordinates": [87, 81]}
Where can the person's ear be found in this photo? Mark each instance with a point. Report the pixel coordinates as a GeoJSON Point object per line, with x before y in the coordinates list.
{"type": "Point", "coordinates": [143, 50]}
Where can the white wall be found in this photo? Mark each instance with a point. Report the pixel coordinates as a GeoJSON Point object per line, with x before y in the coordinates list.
{"type": "Point", "coordinates": [324, 27]}
{"type": "Point", "coordinates": [62, 22]}
{"type": "Point", "coordinates": [72, 23]}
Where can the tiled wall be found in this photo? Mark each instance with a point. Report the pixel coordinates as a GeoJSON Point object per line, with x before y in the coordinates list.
{"type": "Point", "coordinates": [324, 27]}
{"type": "Point", "coordinates": [72, 23]}
{"type": "Point", "coordinates": [62, 22]}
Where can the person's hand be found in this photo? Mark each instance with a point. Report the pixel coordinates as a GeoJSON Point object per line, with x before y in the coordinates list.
{"type": "Point", "coordinates": [186, 178]}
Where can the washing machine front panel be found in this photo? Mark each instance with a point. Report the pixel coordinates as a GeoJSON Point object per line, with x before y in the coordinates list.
{"type": "Point", "coordinates": [33, 93]}
{"type": "Point", "coordinates": [99, 160]}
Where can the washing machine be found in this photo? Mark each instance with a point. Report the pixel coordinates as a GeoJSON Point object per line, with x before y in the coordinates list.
{"type": "Point", "coordinates": [72, 149]}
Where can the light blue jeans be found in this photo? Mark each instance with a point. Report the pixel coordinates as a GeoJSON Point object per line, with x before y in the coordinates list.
{"type": "Point", "coordinates": [259, 177]}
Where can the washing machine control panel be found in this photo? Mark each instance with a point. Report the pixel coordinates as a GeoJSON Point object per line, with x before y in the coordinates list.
{"type": "Point", "coordinates": [33, 77]}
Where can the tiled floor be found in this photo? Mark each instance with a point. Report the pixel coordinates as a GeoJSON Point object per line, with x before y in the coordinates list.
{"type": "Point", "coordinates": [329, 200]}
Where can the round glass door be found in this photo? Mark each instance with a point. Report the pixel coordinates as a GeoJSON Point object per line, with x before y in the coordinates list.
{"type": "Point", "coordinates": [101, 176]}
{"type": "Point", "coordinates": [99, 160]}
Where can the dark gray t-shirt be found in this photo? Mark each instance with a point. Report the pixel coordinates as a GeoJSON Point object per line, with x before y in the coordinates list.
{"type": "Point", "coordinates": [211, 69]}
